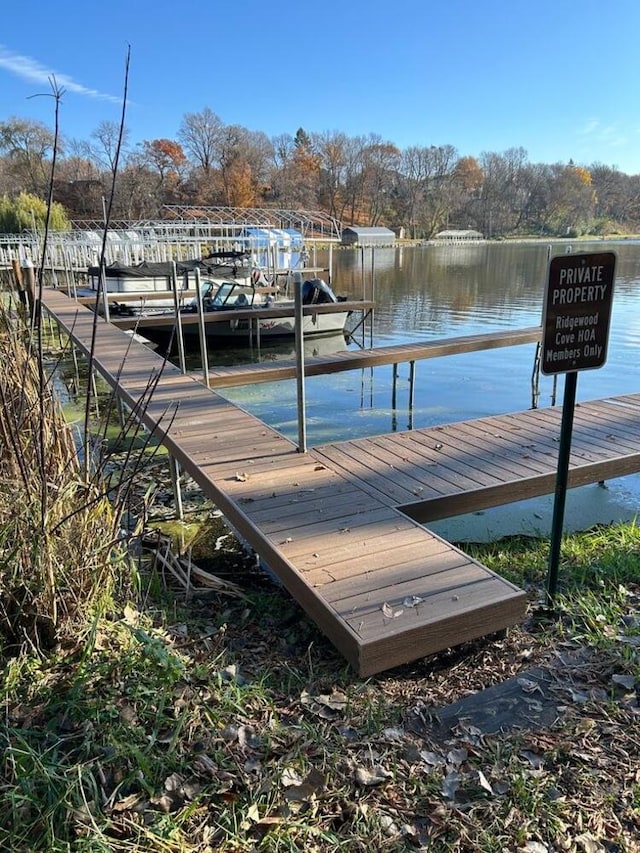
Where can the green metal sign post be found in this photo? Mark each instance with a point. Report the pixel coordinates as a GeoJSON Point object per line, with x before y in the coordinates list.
{"type": "Point", "coordinates": [575, 332]}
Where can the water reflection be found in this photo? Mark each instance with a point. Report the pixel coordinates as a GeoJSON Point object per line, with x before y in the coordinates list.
{"type": "Point", "coordinates": [434, 292]}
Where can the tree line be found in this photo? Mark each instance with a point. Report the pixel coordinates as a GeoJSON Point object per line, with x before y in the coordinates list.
{"type": "Point", "coordinates": [358, 180]}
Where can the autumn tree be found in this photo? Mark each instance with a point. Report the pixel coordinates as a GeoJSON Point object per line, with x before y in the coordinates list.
{"type": "Point", "coordinates": [428, 189]}
{"type": "Point", "coordinates": [332, 150]}
{"type": "Point", "coordinates": [243, 158]}
{"type": "Point", "coordinates": [617, 200]}
{"type": "Point", "coordinates": [571, 200]}
{"type": "Point", "coordinates": [79, 184]}
{"type": "Point", "coordinates": [164, 156]}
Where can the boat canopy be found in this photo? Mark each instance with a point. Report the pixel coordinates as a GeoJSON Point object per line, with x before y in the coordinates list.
{"type": "Point", "coordinates": [161, 269]}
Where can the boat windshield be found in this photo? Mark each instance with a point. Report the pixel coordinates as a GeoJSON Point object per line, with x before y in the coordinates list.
{"type": "Point", "coordinates": [226, 295]}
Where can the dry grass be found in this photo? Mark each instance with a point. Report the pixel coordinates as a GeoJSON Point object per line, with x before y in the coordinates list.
{"type": "Point", "coordinates": [58, 539]}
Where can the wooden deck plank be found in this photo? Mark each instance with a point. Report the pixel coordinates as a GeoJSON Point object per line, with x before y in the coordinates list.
{"type": "Point", "coordinates": [381, 583]}
{"type": "Point", "coordinates": [391, 645]}
{"type": "Point", "coordinates": [587, 436]}
{"type": "Point", "coordinates": [442, 587]}
{"type": "Point", "coordinates": [478, 457]}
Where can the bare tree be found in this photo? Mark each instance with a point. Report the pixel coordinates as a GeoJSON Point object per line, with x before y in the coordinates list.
{"type": "Point", "coordinates": [107, 135]}
{"type": "Point", "coordinates": [200, 135]}
{"type": "Point", "coordinates": [29, 146]}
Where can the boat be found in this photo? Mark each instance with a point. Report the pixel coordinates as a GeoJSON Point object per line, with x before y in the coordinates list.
{"type": "Point", "coordinates": [239, 302]}
{"type": "Point", "coordinates": [247, 312]}
{"type": "Point", "coordinates": [153, 282]}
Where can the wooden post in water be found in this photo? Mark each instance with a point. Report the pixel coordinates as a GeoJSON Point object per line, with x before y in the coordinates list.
{"type": "Point", "coordinates": [17, 274]}
{"type": "Point", "coordinates": [412, 388]}
{"type": "Point", "coordinates": [29, 281]}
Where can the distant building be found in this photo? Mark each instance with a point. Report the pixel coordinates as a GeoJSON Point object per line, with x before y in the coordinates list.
{"type": "Point", "coordinates": [458, 236]}
{"type": "Point", "coordinates": [356, 236]}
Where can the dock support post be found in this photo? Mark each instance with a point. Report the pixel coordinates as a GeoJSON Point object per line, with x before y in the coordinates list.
{"type": "Point", "coordinates": [299, 319]}
{"type": "Point", "coordinates": [394, 387]}
{"type": "Point", "coordinates": [204, 353]}
{"type": "Point", "coordinates": [29, 280]}
{"type": "Point", "coordinates": [102, 284]}
{"type": "Point", "coordinates": [19, 285]}
{"type": "Point", "coordinates": [122, 418]}
{"type": "Point", "coordinates": [412, 388]}
{"type": "Point", "coordinates": [174, 468]}
{"type": "Point", "coordinates": [176, 305]}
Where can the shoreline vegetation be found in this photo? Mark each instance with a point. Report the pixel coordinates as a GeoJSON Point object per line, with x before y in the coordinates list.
{"type": "Point", "coordinates": [143, 715]}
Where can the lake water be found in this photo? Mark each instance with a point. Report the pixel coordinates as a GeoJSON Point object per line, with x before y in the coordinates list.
{"type": "Point", "coordinates": [444, 291]}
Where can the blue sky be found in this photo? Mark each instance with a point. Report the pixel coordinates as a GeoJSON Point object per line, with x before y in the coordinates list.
{"type": "Point", "coordinates": [559, 78]}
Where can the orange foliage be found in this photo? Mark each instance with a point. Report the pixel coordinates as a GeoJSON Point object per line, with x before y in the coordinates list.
{"type": "Point", "coordinates": [469, 173]}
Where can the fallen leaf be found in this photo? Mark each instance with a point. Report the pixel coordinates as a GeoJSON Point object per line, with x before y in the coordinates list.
{"type": "Point", "coordinates": [375, 776]}
{"type": "Point", "coordinates": [389, 612]}
{"type": "Point", "coordinates": [484, 782]}
{"type": "Point", "coordinates": [393, 733]}
{"type": "Point", "coordinates": [450, 785]}
{"type": "Point", "coordinates": [626, 681]}
{"type": "Point", "coordinates": [588, 843]}
{"type": "Point", "coordinates": [312, 784]}
{"type": "Point", "coordinates": [535, 847]}
{"type": "Point", "coordinates": [431, 758]}
{"type": "Point", "coordinates": [535, 760]}
{"type": "Point", "coordinates": [290, 777]}
{"type": "Point", "coordinates": [457, 756]}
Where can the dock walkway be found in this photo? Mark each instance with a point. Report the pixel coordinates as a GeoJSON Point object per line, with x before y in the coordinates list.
{"type": "Point", "coordinates": [384, 589]}
{"type": "Point", "coordinates": [341, 525]}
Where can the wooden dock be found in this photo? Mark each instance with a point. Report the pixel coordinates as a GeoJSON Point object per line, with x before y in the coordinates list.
{"type": "Point", "coordinates": [464, 467]}
{"type": "Point", "coordinates": [339, 524]}
{"type": "Point", "coordinates": [270, 371]}
{"type": "Point", "coordinates": [384, 589]}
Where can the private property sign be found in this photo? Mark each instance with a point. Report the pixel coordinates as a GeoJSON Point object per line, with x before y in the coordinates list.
{"type": "Point", "coordinates": [577, 312]}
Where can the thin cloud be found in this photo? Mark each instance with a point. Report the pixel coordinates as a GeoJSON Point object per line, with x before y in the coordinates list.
{"type": "Point", "coordinates": [30, 69]}
{"type": "Point", "coordinates": [607, 134]}
{"type": "Point", "coordinates": [592, 126]}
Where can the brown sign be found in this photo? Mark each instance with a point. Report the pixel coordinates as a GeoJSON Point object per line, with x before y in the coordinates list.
{"type": "Point", "coordinates": [577, 312]}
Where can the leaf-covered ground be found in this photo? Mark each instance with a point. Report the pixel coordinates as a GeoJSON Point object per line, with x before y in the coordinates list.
{"type": "Point", "coordinates": [229, 723]}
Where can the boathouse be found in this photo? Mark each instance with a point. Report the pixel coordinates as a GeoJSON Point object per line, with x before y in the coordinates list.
{"type": "Point", "coordinates": [455, 235]}
{"type": "Point", "coordinates": [355, 235]}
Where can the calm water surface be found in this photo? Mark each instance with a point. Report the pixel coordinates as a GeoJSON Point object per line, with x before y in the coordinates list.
{"type": "Point", "coordinates": [438, 292]}
{"type": "Point", "coordinates": [445, 291]}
